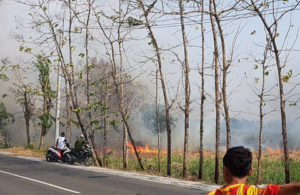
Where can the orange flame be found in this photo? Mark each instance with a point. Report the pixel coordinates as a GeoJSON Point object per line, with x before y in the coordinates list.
{"type": "Point", "coordinates": [270, 151]}
{"type": "Point", "coordinates": [145, 149]}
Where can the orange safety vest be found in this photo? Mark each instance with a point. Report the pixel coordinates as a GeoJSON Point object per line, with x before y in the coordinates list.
{"type": "Point", "coordinates": [242, 189]}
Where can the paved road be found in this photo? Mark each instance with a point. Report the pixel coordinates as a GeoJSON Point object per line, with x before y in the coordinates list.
{"type": "Point", "coordinates": [26, 177]}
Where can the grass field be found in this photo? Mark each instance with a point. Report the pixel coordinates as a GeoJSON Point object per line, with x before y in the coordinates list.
{"type": "Point", "coordinates": [272, 165]}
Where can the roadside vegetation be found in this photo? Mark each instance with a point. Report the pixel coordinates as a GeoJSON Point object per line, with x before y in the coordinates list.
{"type": "Point", "coordinates": [272, 165]}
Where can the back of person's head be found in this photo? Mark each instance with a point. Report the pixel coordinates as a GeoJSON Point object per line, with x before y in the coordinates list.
{"type": "Point", "coordinates": [238, 160]}
{"type": "Point", "coordinates": [62, 134]}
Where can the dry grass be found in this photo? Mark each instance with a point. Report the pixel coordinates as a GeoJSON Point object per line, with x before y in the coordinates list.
{"type": "Point", "coordinates": [21, 151]}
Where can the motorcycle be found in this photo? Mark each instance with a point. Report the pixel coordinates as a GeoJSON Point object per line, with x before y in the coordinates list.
{"type": "Point", "coordinates": [54, 154]}
{"type": "Point", "coordinates": [82, 157]}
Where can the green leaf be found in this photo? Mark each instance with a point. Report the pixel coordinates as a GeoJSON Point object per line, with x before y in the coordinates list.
{"type": "Point", "coordinates": [78, 110]}
{"type": "Point", "coordinates": [17, 66]}
{"type": "Point", "coordinates": [81, 55]}
{"type": "Point", "coordinates": [113, 123]}
{"type": "Point", "coordinates": [21, 48]}
{"type": "Point", "coordinates": [94, 122]}
{"type": "Point", "coordinates": [73, 48]}
{"type": "Point", "coordinates": [253, 32]}
{"type": "Point", "coordinates": [94, 84]}
{"type": "Point", "coordinates": [256, 67]}
{"type": "Point", "coordinates": [277, 35]}
{"type": "Point", "coordinates": [256, 80]}
{"type": "Point", "coordinates": [28, 89]}
{"type": "Point", "coordinates": [3, 68]}
{"type": "Point", "coordinates": [45, 8]}
{"type": "Point", "coordinates": [287, 77]}
{"type": "Point", "coordinates": [76, 29]}
{"type": "Point", "coordinates": [3, 77]}
{"type": "Point", "coordinates": [267, 73]}
{"type": "Point", "coordinates": [91, 66]}
{"type": "Point", "coordinates": [80, 76]}
{"type": "Point", "coordinates": [28, 50]}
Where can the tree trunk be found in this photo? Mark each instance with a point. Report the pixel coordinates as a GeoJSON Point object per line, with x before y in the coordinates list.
{"type": "Point", "coordinates": [104, 142]}
{"type": "Point", "coordinates": [68, 106]}
{"type": "Point", "coordinates": [105, 118]}
{"type": "Point", "coordinates": [261, 113]}
{"type": "Point", "coordinates": [200, 175]}
{"type": "Point", "coordinates": [157, 120]}
{"type": "Point", "coordinates": [27, 113]}
{"type": "Point", "coordinates": [124, 119]}
{"type": "Point", "coordinates": [187, 91]}
{"type": "Point", "coordinates": [163, 85]}
{"type": "Point", "coordinates": [92, 137]}
{"type": "Point", "coordinates": [42, 141]}
{"type": "Point", "coordinates": [224, 83]}
{"type": "Point", "coordinates": [133, 142]}
{"type": "Point", "coordinates": [283, 115]}
{"type": "Point", "coordinates": [28, 131]}
{"type": "Point", "coordinates": [58, 99]}
{"type": "Point", "coordinates": [45, 111]}
{"type": "Point", "coordinates": [217, 95]}
{"type": "Point", "coordinates": [90, 126]}
{"type": "Point", "coordinates": [70, 76]}
{"type": "Point", "coordinates": [272, 36]}
{"type": "Point", "coordinates": [68, 113]}
{"type": "Point", "coordinates": [125, 147]}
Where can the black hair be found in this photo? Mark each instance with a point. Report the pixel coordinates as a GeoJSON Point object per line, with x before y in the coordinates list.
{"type": "Point", "coordinates": [62, 134]}
{"type": "Point", "coordinates": [238, 160]}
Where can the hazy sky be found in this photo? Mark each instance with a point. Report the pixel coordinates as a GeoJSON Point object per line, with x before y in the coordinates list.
{"type": "Point", "coordinates": [242, 100]}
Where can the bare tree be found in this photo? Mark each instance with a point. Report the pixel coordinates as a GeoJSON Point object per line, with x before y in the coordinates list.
{"type": "Point", "coordinates": [25, 97]}
{"type": "Point", "coordinates": [226, 65]}
{"type": "Point", "coordinates": [261, 112]}
{"type": "Point", "coordinates": [200, 174]}
{"type": "Point", "coordinates": [117, 74]}
{"type": "Point", "coordinates": [146, 10]}
{"type": "Point", "coordinates": [186, 69]}
{"type": "Point", "coordinates": [271, 28]}
{"type": "Point", "coordinates": [157, 120]}
{"type": "Point", "coordinates": [46, 120]}
{"type": "Point", "coordinates": [217, 95]}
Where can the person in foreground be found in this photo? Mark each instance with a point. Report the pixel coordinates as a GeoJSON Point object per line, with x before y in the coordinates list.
{"type": "Point", "coordinates": [237, 167]}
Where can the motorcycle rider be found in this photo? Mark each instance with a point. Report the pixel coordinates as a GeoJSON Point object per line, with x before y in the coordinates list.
{"type": "Point", "coordinates": [79, 143]}
{"type": "Point", "coordinates": [61, 142]}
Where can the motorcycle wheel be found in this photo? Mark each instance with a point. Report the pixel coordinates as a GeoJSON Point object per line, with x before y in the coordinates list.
{"type": "Point", "coordinates": [49, 157]}
{"type": "Point", "coordinates": [69, 159]}
{"type": "Point", "coordinates": [88, 161]}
